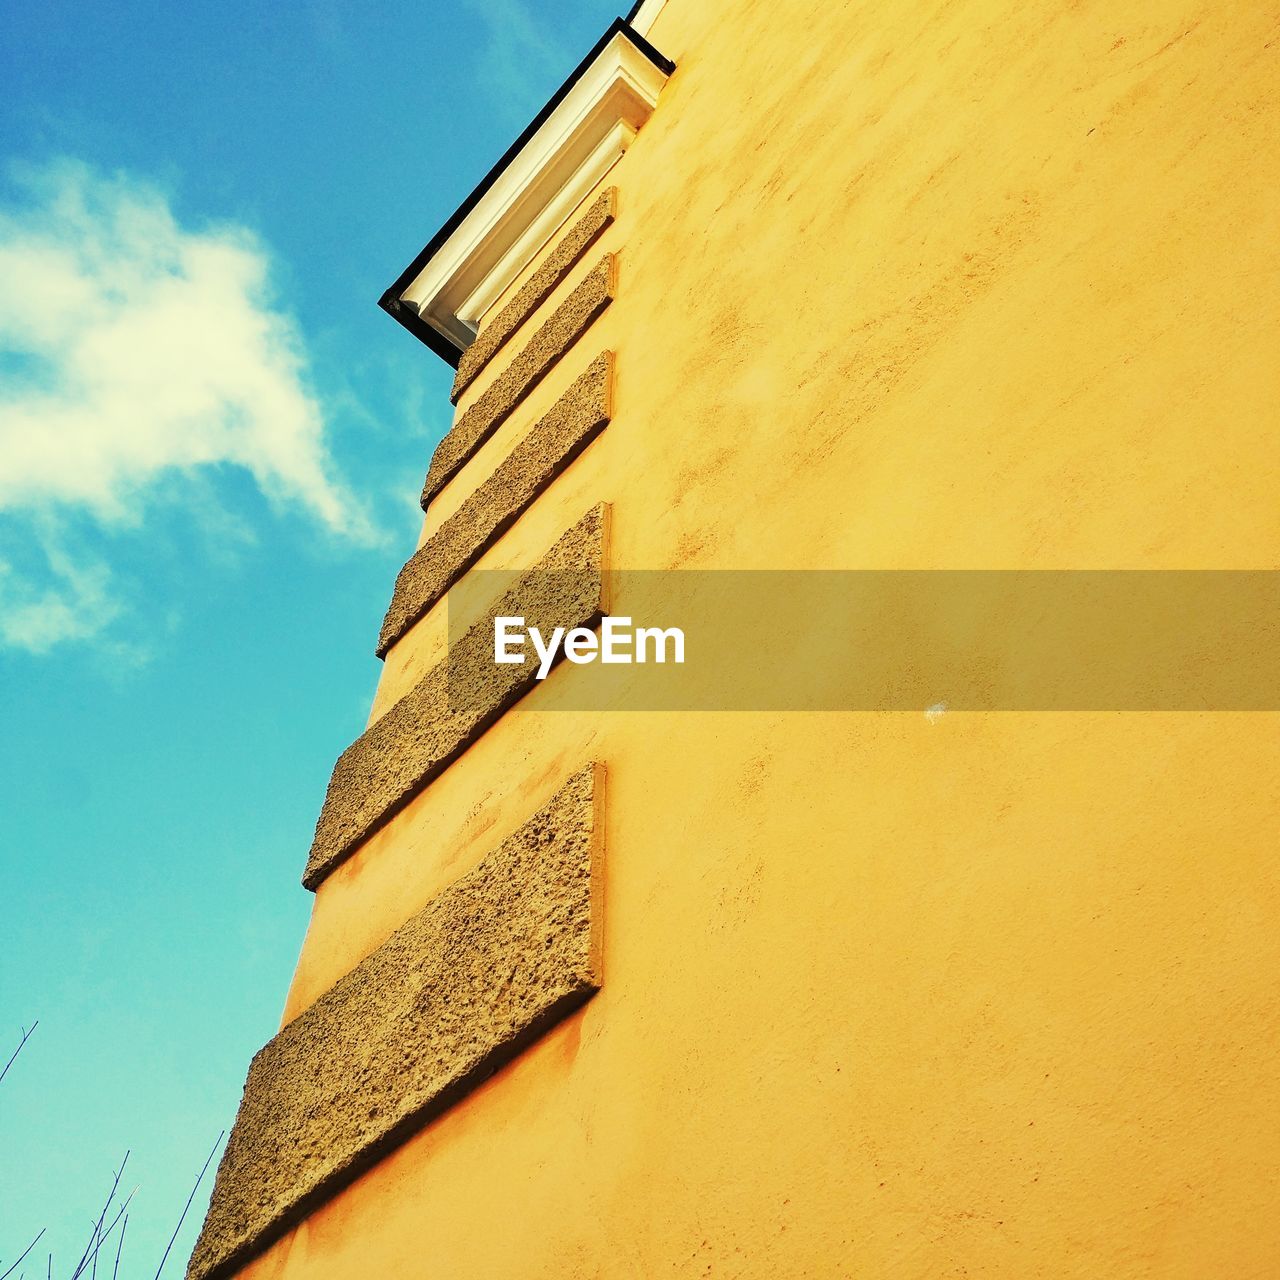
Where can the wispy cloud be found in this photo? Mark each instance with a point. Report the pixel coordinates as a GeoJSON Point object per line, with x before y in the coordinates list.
{"type": "Point", "coordinates": [71, 602]}
{"type": "Point", "coordinates": [137, 356]}
{"type": "Point", "coordinates": [519, 59]}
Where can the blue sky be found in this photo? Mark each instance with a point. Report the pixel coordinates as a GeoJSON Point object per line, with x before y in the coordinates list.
{"type": "Point", "coordinates": [211, 442]}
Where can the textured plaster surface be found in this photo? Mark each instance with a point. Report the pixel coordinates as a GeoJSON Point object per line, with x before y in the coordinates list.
{"type": "Point", "coordinates": [523, 372]}
{"type": "Point", "coordinates": [536, 290]}
{"type": "Point", "coordinates": [992, 284]}
{"type": "Point", "coordinates": [456, 701]}
{"type": "Point", "coordinates": [484, 968]}
{"type": "Point", "coordinates": [559, 436]}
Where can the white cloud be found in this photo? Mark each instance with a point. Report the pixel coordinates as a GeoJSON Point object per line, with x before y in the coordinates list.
{"type": "Point", "coordinates": [73, 603]}
{"type": "Point", "coordinates": [519, 59]}
{"type": "Point", "coordinates": [138, 355]}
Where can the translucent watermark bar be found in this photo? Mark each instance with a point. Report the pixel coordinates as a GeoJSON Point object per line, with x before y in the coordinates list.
{"type": "Point", "coordinates": [901, 640]}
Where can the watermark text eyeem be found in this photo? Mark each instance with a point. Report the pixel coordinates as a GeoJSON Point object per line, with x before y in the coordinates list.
{"type": "Point", "coordinates": [618, 642]}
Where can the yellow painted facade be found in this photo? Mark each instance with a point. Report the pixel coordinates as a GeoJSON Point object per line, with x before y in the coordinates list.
{"type": "Point", "coordinates": [971, 285]}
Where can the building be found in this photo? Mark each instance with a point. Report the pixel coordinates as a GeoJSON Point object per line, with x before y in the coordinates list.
{"type": "Point", "coordinates": [590, 992]}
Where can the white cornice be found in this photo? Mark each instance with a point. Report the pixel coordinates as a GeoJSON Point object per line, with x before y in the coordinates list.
{"type": "Point", "coordinates": [645, 14]}
{"type": "Point", "coordinates": [571, 150]}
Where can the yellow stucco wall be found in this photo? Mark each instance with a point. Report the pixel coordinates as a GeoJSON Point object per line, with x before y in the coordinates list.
{"type": "Point", "coordinates": [972, 285]}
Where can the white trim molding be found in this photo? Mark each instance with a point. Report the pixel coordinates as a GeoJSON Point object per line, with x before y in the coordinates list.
{"type": "Point", "coordinates": [532, 191]}
{"type": "Point", "coordinates": [645, 15]}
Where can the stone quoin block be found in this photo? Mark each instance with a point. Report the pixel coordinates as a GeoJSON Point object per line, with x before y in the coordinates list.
{"type": "Point", "coordinates": [567, 323]}
{"type": "Point", "coordinates": [487, 966]}
{"type": "Point", "coordinates": [560, 435]}
{"type": "Point", "coordinates": [536, 290]}
{"type": "Point", "coordinates": [456, 701]}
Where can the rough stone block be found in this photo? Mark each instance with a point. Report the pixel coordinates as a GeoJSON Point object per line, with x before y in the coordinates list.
{"type": "Point", "coordinates": [536, 290]}
{"type": "Point", "coordinates": [564, 431]}
{"type": "Point", "coordinates": [480, 972]}
{"type": "Point", "coordinates": [456, 701]}
{"type": "Point", "coordinates": [527, 368]}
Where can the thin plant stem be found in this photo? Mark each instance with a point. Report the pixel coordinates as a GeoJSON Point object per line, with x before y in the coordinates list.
{"type": "Point", "coordinates": [23, 1254]}
{"type": "Point", "coordinates": [103, 1236]}
{"type": "Point", "coordinates": [190, 1198]}
{"type": "Point", "coordinates": [115, 1270]}
{"type": "Point", "coordinates": [97, 1226]}
{"type": "Point", "coordinates": [26, 1035]}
